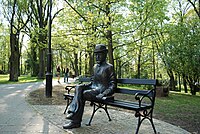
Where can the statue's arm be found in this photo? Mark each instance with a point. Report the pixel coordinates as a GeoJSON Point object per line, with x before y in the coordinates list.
{"type": "Point", "coordinates": [112, 85]}
{"type": "Point", "coordinates": [84, 86]}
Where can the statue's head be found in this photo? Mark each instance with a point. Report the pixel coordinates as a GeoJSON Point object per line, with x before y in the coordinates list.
{"type": "Point", "coordinates": [100, 53]}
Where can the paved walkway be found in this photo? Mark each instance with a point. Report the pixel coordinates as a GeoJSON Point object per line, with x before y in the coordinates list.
{"type": "Point", "coordinates": [19, 117]}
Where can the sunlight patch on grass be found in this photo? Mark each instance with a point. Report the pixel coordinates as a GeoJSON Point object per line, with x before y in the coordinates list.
{"type": "Point", "coordinates": [4, 79]}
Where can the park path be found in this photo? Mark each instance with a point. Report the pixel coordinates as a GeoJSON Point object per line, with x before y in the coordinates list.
{"type": "Point", "coordinates": [17, 116]}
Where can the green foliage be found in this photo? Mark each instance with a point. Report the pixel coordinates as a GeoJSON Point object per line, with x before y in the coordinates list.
{"type": "Point", "coordinates": [80, 32]}
{"type": "Point", "coordinates": [147, 39]}
{"type": "Point", "coordinates": [182, 48]}
{"type": "Point", "coordinates": [4, 48]}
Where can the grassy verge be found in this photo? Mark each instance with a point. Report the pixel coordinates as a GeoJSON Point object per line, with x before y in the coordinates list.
{"type": "Point", "coordinates": [4, 79]}
{"type": "Point", "coordinates": [179, 109]}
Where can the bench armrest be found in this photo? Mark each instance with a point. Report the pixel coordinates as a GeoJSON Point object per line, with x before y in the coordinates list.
{"type": "Point", "coordinates": [140, 96]}
{"type": "Point", "coordinates": [108, 98]}
{"type": "Point", "coordinates": [69, 88]}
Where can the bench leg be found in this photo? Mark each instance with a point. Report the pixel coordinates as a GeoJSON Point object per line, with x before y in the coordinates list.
{"type": "Point", "coordinates": [138, 125]}
{"type": "Point", "coordinates": [65, 109]}
{"type": "Point", "coordinates": [144, 116]}
{"type": "Point", "coordinates": [106, 110]}
{"type": "Point", "coordinates": [95, 109]}
{"type": "Point", "coordinates": [151, 120]}
{"type": "Point", "coordinates": [68, 102]}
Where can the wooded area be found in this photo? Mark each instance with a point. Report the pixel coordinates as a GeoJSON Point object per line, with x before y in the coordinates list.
{"type": "Point", "coordinates": [145, 39]}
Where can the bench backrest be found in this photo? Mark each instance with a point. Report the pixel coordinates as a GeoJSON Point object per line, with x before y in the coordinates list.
{"type": "Point", "coordinates": [151, 94]}
{"type": "Point", "coordinates": [152, 82]}
{"type": "Point", "coordinates": [84, 79]}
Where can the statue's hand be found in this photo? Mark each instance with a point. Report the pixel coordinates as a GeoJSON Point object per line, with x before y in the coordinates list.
{"type": "Point", "coordinates": [99, 96]}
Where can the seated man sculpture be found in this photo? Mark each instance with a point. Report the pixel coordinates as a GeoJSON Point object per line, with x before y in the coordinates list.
{"type": "Point", "coordinates": [103, 84]}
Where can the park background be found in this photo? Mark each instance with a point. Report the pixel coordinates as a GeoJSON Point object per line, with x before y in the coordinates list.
{"type": "Point", "coordinates": [154, 39]}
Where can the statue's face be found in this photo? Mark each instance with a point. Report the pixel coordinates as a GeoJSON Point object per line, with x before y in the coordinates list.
{"type": "Point", "coordinates": [100, 57]}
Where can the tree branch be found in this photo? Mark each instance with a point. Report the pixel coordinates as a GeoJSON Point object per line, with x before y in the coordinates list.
{"type": "Point", "coordinates": [57, 13]}
{"type": "Point", "coordinates": [134, 41]}
{"type": "Point", "coordinates": [195, 8]}
{"type": "Point", "coordinates": [76, 10]}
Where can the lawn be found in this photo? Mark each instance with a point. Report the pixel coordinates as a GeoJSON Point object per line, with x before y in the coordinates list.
{"type": "Point", "coordinates": [179, 109]}
{"type": "Point", "coordinates": [4, 79]}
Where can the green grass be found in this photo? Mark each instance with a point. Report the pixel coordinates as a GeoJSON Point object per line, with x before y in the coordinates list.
{"type": "Point", "coordinates": [179, 109]}
{"type": "Point", "coordinates": [4, 79]}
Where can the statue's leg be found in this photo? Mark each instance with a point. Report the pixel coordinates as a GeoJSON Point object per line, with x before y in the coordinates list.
{"type": "Point", "coordinates": [75, 109]}
{"type": "Point", "coordinates": [90, 94]}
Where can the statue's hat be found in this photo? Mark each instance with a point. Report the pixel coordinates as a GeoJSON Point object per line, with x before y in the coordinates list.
{"type": "Point", "coordinates": [100, 48]}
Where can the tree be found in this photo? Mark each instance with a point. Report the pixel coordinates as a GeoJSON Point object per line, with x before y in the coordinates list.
{"type": "Point", "coordinates": [18, 15]}
{"type": "Point", "coordinates": [40, 9]}
{"type": "Point", "coordinates": [4, 49]}
{"type": "Point", "coordinates": [181, 45]}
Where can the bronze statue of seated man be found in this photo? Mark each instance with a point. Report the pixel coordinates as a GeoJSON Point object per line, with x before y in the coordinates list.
{"type": "Point", "coordinates": [103, 84]}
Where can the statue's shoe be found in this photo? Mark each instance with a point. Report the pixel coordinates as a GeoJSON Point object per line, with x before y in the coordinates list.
{"type": "Point", "coordinates": [71, 125]}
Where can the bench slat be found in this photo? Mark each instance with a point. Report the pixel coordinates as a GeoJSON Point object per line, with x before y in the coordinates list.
{"type": "Point", "coordinates": [137, 81]}
{"type": "Point", "coordinates": [134, 91]}
{"type": "Point", "coordinates": [128, 105]}
{"type": "Point", "coordinates": [69, 95]}
{"type": "Point", "coordinates": [84, 79]}
{"type": "Point", "coordinates": [130, 91]}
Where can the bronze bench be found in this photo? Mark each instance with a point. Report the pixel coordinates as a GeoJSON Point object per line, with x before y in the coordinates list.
{"type": "Point", "coordinates": [143, 101]}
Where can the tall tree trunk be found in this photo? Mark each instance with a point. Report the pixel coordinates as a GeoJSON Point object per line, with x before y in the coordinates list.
{"type": "Point", "coordinates": [172, 84]}
{"type": "Point", "coordinates": [86, 70]}
{"type": "Point", "coordinates": [139, 62]}
{"type": "Point", "coordinates": [14, 48]}
{"type": "Point", "coordinates": [20, 52]}
{"type": "Point", "coordinates": [119, 69]}
{"type": "Point", "coordinates": [76, 64]}
{"type": "Point", "coordinates": [42, 21]}
{"type": "Point", "coordinates": [185, 83]}
{"type": "Point", "coordinates": [14, 57]}
{"type": "Point", "coordinates": [61, 61]}
{"type": "Point", "coordinates": [190, 82]}
{"type": "Point", "coordinates": [192, 88]}
{"type": "Point", "coordinates": [42, 50]}
{"type": "Point", "coordinates": [109, 35]}
{"type": "Point", "coordinates": [41, 74]}
{"type": "Point", "coordinates": [91, 63]}
{"type": "Point", "coordinates": [179, 82]}
{"type": "Point", "coordinates": [80, 63]}
{"type": "Point", "coordinates": [34, 62]}
{"type": "Point", "coordinates": [153, 63]}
